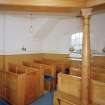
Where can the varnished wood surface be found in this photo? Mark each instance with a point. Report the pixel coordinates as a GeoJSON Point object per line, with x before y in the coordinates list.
{"type": "Point", "coordinates": [69, 84]}
{"type": "Point", "coordinates": [65, 99]}
{"type": "Point", "coordinates": [48, 69]}
{"type": "Point", "coordinates": [56, 3]}
{"type": "Point", "coordinates": [97, 88]}
{"type": "Point", "coordinates": [38, 8]}
{"type": "Point", "coordinates": [91, 3]}
{"type": "Point", "coordinates": [86, 56]}
{"type": "Point", "coordinates": [19, 58]}
{"type": "Point", "coordinates": [99, 76]}
{"type": "Point", "coordinates": [60, 64]}
{"type": "Point", "coordinates": [19, 84]}
{"type": "Point", "coordinates": [51, 5]}
{"type": "Point", "coordinates": [42, 6]}
{"type": "Point", "coordinates": [98, 61]}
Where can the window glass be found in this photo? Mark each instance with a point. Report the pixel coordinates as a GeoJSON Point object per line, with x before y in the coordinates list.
{"type": "Point", "coordinates": [76, 43]}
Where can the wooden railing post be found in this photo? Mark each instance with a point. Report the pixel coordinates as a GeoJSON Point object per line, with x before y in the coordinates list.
{"type": "Point", "coordinates": [86, 56]}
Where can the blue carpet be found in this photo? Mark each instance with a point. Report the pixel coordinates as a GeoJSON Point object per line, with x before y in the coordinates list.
{"type": "Point", "coordinates": [47, 99]}
{"type": "Point", "coordinates": [2, 102]}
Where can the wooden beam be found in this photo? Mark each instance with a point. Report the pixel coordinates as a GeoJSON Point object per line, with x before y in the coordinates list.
{"type": "Point", "coordinates": [56, 3]}
{"type": "Point", "coordinates": [86, 57]}
{"type": "Point", "coordinates": [92, 3]}
{"type": "Point", "coordinates": [99, 8]}
{"type": "Point", "coordinates": [42, 5]}
{"type": "Point", "coordinates": [38, 8]}
{"type": "Point", "coordinates": [97, 5]}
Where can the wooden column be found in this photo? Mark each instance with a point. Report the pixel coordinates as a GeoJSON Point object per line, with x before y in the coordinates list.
{"type": "Point", "coordinates": [86, 56]}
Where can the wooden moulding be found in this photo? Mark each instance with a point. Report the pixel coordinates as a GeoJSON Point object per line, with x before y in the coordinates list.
{"type": "Point", "coordinates": [21, 87]}
{"type": "Point", "coordinates": [71, 85]}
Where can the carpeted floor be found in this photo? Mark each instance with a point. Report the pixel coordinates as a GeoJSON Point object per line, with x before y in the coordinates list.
{"type": "Point", "coordinates": [47, 99]}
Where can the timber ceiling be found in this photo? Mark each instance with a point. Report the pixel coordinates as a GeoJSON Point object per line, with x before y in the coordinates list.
{"type": "Point", "coordinates": [51, 5]}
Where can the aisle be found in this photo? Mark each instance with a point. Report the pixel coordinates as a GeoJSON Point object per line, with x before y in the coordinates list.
{"type": "Point", "coordinates": [47, 99]}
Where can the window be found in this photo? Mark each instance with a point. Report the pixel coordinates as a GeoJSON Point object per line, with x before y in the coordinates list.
{"type": "Point", "coordinates": [76, 44]}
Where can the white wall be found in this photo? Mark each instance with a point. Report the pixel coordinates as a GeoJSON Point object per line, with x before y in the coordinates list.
{"type": "Point", "coordinates": [98, 31]}
{"type": "Point", "coordinates": [50, 34]}
{"type": "Point", "coordinates": [1, 33]}
{"type": "Point", "coordinates": [59, 39]}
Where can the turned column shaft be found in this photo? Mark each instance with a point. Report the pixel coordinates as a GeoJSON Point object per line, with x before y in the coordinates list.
{"type": "Point", "coordinates": [86, 58]}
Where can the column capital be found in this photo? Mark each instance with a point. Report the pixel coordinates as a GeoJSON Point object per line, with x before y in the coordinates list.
{"type": "Point", "coordinates": [86, 11]}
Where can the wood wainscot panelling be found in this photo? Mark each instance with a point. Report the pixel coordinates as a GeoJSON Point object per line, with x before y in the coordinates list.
{"type": "Point", "coordinates": [99, 60]}
{"type": "Point", "coordinates": [19, 58]}
{"type": "Point", "coordinates": [99, 76]}
{"type": "Point", "coordinates": [1, 62]}
{"type": "Point", "coordinates": [55, 56]}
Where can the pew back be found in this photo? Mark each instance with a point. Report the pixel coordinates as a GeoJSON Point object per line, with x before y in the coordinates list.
{"type": "Point", "coordinates": [97, 92]}
{"type": "Point", "coordinates": [99, 76]}
{"type": "Point", "coordinates": [72, 85]}
{"type": "Point", "coordinates": [69, 84]}
{"type": "Point", "coordinates": [19, 84]}
{"type": "Point", "coordinates": [48, 69]}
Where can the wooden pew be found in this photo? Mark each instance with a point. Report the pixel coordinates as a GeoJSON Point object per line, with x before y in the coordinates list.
{"type": "Point", "coordinates": [39, 74]}
{"type": "Point", "coordinates": [99, 76]}
{"type": "Point", "coordinates": [48, 69]}
{"type": "Point", "coordinates": [68, 91]}
{"type": "Point", "coordinates": [70, 86]}
{"type": "Point", "coordinates": [61, 65]}
{"type": "Point", "coordinates": [98, 69]}
{"type": "Point", "coordinates": [98, 64]}
{"type": "Point", "coordinates": [22, 85]}
{"type": "Point", "coordinates": [97, 92]}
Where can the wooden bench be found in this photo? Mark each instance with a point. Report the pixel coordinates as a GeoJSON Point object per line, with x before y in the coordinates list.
{"type": "Point", "coordinates": [71, 85]}
{"type": "Point", "coordinates": [99, 76]}
{"type": "Point", "coordinates": [98, 69]}
{"type": "Point", "coordinates": [60, 65]}
{"type": "Point", "coordinates": [40, 75]}
{"type": "Point", "coordinates": [49, 71]}
{"type": "Point", "coordinates": [22, 85]}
